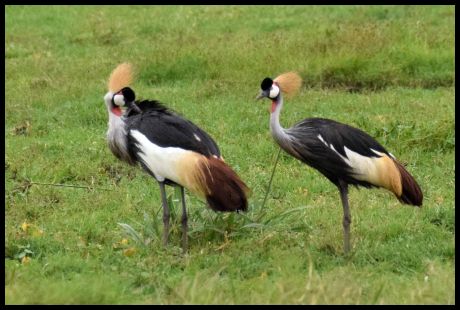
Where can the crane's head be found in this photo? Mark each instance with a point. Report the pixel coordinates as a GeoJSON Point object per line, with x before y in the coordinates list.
{"type": "Point", "coordinates": [124, 98]}
{"type": "Point", "coordinates": [120, 95]}
{"type": "Point", "coordinates": [288, 83]}
{"type": "Point", "coordinates": [269, 89]}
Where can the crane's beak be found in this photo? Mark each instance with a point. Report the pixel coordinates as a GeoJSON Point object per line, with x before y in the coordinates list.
{"type": "Point", "coordinates": [261, 95]}
{"type": "Point", "coordinates": [133, 106]}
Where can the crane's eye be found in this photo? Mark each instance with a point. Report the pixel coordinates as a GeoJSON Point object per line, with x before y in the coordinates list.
{"type": "Point", "coordinates": [274, 91]}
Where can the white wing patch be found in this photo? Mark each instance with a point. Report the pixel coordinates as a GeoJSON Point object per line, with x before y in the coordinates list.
{"type": "Point", "coordinates": [377, 152]}
{"type": "Point", "coordinates": [196, 137]}
{"type": "Point", "coordinates": [364, 168]}
{"type": "Point", "coordinates": [370, 169]}
{"type": "Point", "coordinates": [322, 140]}
{"type": "Point", "coordinates": [161, 161]}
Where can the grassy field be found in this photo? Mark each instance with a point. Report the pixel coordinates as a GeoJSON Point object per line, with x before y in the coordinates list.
{"type": "Point", "coordinates": [387, 70]}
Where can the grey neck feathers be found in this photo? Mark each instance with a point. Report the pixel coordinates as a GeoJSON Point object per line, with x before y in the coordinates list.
{"type": "Point", "coordinates": [278, 132]}
{"type": "Point", "coordinates": [117, 138]}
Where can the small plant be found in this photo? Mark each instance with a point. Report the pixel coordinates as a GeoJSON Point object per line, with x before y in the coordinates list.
{"type": "Point", "coordinates": [151, 228]}
{"type": "Point", "coordinates": [24, 253]}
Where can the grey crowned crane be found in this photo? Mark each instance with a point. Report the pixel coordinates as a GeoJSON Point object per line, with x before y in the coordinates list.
{"type": "Point", "coordinates": [171, 149]}
{"type": "Point", "coordinates": [343, 154]}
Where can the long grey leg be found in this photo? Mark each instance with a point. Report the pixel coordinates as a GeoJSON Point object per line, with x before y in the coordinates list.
{"type": "Point", "coordinates": [165, 214]}
{"type": "Point", "coordinates": [343, 187]}
{"type": "Point", "coordinates": [184, 222]}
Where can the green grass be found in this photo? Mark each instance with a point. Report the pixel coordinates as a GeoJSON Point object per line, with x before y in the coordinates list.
{"type": "Point", "coordinates": [388, 70]}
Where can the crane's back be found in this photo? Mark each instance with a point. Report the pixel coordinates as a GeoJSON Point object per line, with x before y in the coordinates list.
{"type": "Point", "coordinates": [168, 129]}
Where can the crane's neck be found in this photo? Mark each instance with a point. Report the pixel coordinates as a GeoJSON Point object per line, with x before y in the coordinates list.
{"type": "Point", "coordinates": [117, 137]}
{"type": "Point", "coordinates": [278, 132]}
{"type": "Point", "coordinates": [116, 123]}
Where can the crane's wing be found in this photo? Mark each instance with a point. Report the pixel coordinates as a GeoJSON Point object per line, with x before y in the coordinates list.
{"type": "Point", "coordinates": [321, 144]}
{"type": "Point", "coordinates": [339, 135]}
{"type": "Point", "coordinates": [168, 129]}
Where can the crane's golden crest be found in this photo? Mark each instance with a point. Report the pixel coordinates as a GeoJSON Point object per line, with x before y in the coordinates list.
{"type": "Point", "coordinates": [289, 83]}
{"type": "Point", "coordinates": [120, 77]}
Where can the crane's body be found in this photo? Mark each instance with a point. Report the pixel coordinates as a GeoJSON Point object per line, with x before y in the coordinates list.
{"type": "Point", "coordinates": [343, 154]}
{"type": "Point", "coordinates": [171, 149]}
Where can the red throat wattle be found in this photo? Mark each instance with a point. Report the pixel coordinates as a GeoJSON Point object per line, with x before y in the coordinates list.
{"type": "Point", "coordinates": [273, 106]}
{"type": "Point", "coordinates": [116, 111]}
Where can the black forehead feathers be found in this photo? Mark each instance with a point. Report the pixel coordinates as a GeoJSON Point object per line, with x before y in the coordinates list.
{"type": "Point", "coordinates": [266, 84]}
{"type": "Point", "coordinates": [128, 93]}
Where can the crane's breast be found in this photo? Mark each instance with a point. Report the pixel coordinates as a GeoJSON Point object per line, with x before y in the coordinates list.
{"type": "Point", "coordinates": [117, 140]}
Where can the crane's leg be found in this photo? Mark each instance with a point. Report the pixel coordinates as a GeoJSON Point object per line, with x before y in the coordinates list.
{"type": "Point", "coordinates": [165, 213]}
{"type": "Point", "coordinates": [343, 187]}
{"type": "Point", "coordinates": [184, 222]}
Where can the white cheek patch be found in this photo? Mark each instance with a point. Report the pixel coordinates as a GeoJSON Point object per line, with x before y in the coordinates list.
{"type": "Point", "coordinates": [274, 92]}
{"type": "Point", "coordinates": [119, 100]}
